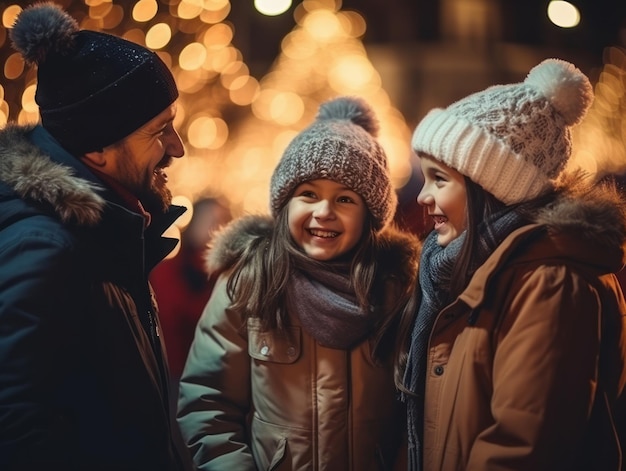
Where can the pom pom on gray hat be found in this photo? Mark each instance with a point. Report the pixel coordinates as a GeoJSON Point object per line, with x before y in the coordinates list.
{"type": "Point", "coordinates": [93, 89]}
{"type": "Point", "coordinates": [340, 145]}
{"type": "Point", "coordinates": [513, 140]}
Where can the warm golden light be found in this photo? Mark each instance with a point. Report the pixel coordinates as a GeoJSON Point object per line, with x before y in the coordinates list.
{"type": "Point", "coordinates": [352, 23]}
{"type": "Point", "coordinates": [95, 3]}
{"type": "Point", "coordinates": [233, 71]}
{"type": "Point", "coordinates": [216, 5]}
{"type": "Point", "coordinates": [188, 9]}
{"type": "Point", "coordinates": [191, 81]}
{"type": "Point", "coordinates": [192, 56]}
{"type": "Point", "coordinates": [25, 117]}
{"type": "Point", "coordinates": [9, 14]}
{"type": "Point", "coordinates": [135, 35]}
{"type": "Point", "coordinates": [4, 113]}
{"type": "Point", "coordinates": [319, 59]}
{"type": "Point", "coordinates": [213, 17]}
{"type": "Point", "coordinates": [14, 66]}
{"type": "Point", "coordinates": [182, 200]}
{"type": "Point", "coordinates": [600, 140]}
{"type": "Point", "coordinates": [222, 58]}
{"type": "Point", "coordinates": [145, 10]}
{"type": "Point", "coordinates": [28, 99]}
{"type": "Point", "coordinates": [158, 36]}
{"type": "Point", "coordinates": [113, 18]}
{"type": "Point", "coordinates": [217, 37]}
{"type": "Point", "coordinates": [244, 90]}
{"type": "Point", "coordinates": [296, 45]}
{"type": "Point", "coordinates": [272, 7]}
{"type": "Point", "coordinates": [352, 74]}
{"type": "Point", "coordinates": [286, 108]}
{"type": "Point", "coordinates": [323, 25]}
{"type": "Point", "coordinates": [206, 132]}
{"type": "Point", "coordinates": [100, 11]}
{"type": "Point", "coordinates": [563, 14]}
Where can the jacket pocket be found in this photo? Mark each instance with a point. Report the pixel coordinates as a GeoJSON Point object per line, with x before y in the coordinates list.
{"type": "Point", "coordinates": [279, 455]}
{"type": "Point", "coordinates": [275, 346]}
{"type": "Point", "coordinates": [277, 447]}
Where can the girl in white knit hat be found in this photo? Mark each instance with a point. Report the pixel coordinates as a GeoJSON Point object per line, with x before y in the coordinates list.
{"type": "Point", "coordinates": [515, 354]}
{"type": "Point", "coordinates": [292, 363]}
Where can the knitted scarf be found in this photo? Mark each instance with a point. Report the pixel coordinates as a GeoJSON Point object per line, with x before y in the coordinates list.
{"type": "Point", "coordinates": [324, 300]}
{"type": "Point", "coordinates": [435, 272]}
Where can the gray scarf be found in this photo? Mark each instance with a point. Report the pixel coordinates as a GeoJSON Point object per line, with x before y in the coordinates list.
{"type": "Point", "coordinates": [325, 302]}
{"type": "Point", "coordinates": [435, 270]}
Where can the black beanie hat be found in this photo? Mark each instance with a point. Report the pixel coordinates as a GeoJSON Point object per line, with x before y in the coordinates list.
{"type": "Point", "coordinates": [93, 89]}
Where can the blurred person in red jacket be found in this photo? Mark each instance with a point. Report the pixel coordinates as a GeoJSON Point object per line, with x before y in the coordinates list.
{"type": "Point", "coordinates": [181, 284]}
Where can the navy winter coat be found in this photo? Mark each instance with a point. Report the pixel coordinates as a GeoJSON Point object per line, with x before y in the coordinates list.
{"type": "Point", "coordinates": [83, 375]}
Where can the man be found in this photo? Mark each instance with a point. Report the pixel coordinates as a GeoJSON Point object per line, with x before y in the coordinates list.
{"type": "Point", "coordinates": [83, 205]}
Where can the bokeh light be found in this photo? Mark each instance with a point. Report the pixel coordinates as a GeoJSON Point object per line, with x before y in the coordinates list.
{"type": "Point", "coordinates": [235, 126]}
{"type": "Point", "coordinates": [563, 14]}
{"type": "Point", "coordinates": [272, 7]}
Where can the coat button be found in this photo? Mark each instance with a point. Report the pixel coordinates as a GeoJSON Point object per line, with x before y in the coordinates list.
{"type": "Point", "coordinates": [291, 351]}
{"type": "Point", "coordinates": [438, 370]}
{"type": "Point", "coordinates": [265, 350]}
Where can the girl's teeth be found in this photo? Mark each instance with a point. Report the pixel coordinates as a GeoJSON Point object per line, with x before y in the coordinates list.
{"type": "Point", "coordinates": [324, 233]}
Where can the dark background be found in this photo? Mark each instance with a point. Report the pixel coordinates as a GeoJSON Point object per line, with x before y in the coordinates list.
{"type": "Point", "coordinates": [399, 22]}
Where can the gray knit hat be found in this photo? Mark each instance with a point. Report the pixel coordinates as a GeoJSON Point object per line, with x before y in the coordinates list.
{"type": "Point", "coordinates": [513, 140]}
{"type": "Point", "coordinates": [341, 146]}
{"type": "Point", "coordinates": [93, 89]}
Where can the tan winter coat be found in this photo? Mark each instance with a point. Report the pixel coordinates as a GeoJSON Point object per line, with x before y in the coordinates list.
{"type": "Point", "coordinates": [261, 400]}
{"type": "Point", "coordinates": [525, 368]}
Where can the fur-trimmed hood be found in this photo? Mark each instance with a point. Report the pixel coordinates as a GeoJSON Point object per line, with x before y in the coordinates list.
{"type": "Point", "coordinates": [400, 249]}
{"type": "Point", "coordinates": [594, 213]}
{"type": "Point", "coordinates": [228, 244]}
{"type": "Point", "coordinates": [28, 171]}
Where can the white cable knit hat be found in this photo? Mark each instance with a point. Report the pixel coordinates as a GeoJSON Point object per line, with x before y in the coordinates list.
{"type": "Point", "coordinates": [513, 140]}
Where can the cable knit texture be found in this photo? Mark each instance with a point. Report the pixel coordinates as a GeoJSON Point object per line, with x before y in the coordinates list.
{"type": "Point", "coordinates": [513, 140]}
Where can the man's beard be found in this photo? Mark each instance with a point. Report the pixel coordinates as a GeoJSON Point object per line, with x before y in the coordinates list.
{"type": "Point", "coordinates": [157, 198]}
{"type": "Point", "coordinates": [152, 191]}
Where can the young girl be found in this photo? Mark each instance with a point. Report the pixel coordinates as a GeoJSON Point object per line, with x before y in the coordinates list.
{"type": "Point", "coordinates": [516, 355]}
{"type": "Point", "coordinates": [292, 363]}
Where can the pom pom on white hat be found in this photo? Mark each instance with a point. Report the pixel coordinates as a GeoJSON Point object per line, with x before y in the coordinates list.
{"type": "Point", "coordinates": [513, 140]}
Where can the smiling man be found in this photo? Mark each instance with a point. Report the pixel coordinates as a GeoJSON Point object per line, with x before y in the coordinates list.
{"type": "Point", "coordinates": [83, 206]}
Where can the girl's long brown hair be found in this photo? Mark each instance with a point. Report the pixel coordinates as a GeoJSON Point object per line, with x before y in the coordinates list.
{"type": "Point", "coordinates": [259, 280]}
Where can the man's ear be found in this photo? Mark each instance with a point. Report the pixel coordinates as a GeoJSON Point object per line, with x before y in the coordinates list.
{"type": "Point", "coordinates": [96, 158]}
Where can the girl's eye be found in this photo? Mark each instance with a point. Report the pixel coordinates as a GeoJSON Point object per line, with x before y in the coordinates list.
{"type": "Point", "coordinates": [307, 194]}
{"type": "Point", "coordinates": [440, 180]}
{"type": "Point", "coordinates": [345, 199]}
